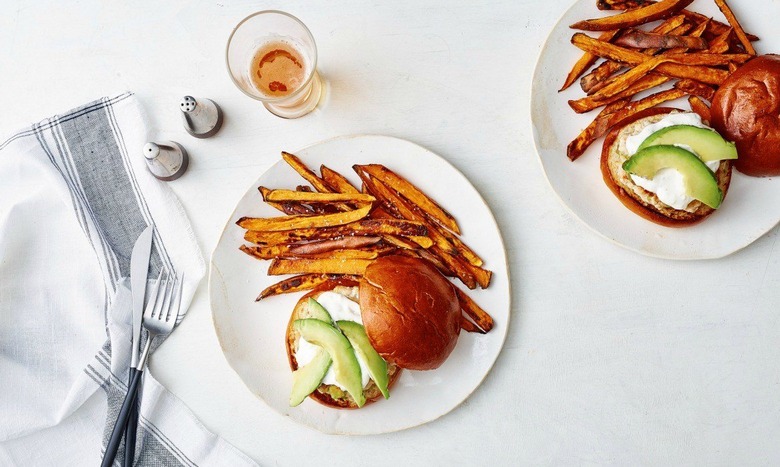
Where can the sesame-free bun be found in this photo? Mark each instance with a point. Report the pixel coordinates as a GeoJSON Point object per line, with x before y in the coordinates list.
{"type": "Point", "coordinates": [636, 198]}
{"type": "Point", "coordinates": [746, 110]}
{"type": "Point", "coordinates": [327, 394]}
{"type": "Point", "coordinates": [410, 312]}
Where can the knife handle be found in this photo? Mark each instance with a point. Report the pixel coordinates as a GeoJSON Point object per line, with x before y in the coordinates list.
{"type": "Point", "coordinates": [132, 426]}
{"type": "Point", "coordinates": [121, 422]}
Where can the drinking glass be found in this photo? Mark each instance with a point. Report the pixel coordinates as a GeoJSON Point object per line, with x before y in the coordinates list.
{"type": "Point", "coordinates": [275, 43]}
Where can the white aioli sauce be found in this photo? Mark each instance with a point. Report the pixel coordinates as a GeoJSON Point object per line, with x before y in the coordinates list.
{"type": "Point", "coordinates": [341, 309]}
{"type": "Point", "coordinates": [667, 184]}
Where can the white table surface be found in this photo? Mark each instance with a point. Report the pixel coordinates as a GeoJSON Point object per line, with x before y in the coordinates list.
{"type": "Point", "coordinates": [611, 357]}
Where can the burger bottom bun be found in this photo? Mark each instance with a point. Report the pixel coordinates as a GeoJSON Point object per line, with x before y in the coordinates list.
{"type": "Point", "coordinates": [327, 394]}
{"type": "Point", "coordinates": [636, 198]}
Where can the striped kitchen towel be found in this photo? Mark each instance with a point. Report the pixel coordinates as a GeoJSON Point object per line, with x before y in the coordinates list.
{"type": "Point", "coordinates": [74, 196]}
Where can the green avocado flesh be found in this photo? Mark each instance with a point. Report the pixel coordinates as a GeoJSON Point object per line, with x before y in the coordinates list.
{"type": "Point", "coordinates": [377, 367]}
{"type": "Point", "coordinates": [345, 363]}
{"type": "Point", "coordinates": [708, 144]}
{"type": "Point", "coordinates": [309, 377]}
{"type": "Point", "coordinates": [700, 182]}
{"type": "Point", "coordinates": [316, 311]}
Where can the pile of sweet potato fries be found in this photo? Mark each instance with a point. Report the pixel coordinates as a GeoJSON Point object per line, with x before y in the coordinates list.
{"type": "Point", "coordinates": [335, 231]}
{"type": "Point", "coordinates": [693, 51]}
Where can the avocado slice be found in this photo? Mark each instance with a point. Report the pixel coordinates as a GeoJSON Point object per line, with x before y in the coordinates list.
{"type": "Point", "coordinates": [317, 311]}
{"type": "Point", "coordinates": [345, 363]}
{"type": "Point", "coordinates": [377, 367]}
{"type": "Point", "coordinates": [700, 182]}
{"type": "Point", "coordinates": [308, 378]}
{"type": "Point", "coordinates": [708, 144]}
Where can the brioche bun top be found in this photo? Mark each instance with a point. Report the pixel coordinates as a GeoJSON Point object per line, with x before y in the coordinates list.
{"type": "Point", "coordinates": [746, 110]}
{"type": "Point", "coordinates": [410, 312]}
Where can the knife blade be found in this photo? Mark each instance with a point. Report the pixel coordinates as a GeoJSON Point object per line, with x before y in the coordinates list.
{"type": "Point", "coordinates": [139, 268]}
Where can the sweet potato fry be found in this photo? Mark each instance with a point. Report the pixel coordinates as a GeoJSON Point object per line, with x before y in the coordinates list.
{"type": "Point", "coordinates": [425, 242]}
{"type": "Point", "coordinates": [625, 80]}
{"type": "Point", "coordinates": [715, 27]}
{"type": "Point", "coordinates": [615, 106]}
{"type": "Point", "coordinates": [318, 266]}
{"type": "Point", "coordinates": [436, 261]}
{"type": "Point", "coordinates": [413, 194]}
{"type": "Point", "coordinates": [468, 326]}
{"type": "Point", "coordinates": [738, 30]}
{"type": "Point", "coordinates": [349, 254]}
{"type": "Point", "coordinates": [646, 40]}
{"type": "Point", "coordinates": [588, 103]}
{"type": "Point", "coordinates": [732, 68]}
{"type": "Point", "coordinates": [604, 76]}
{"type": "Point", "coordinates": [680, 68]}
{"type": "Point", "coordinates": [305, 172]}
{"type": "Point", "coordinates": [324, 246]}
{"type": "Point", "coordinates": [707, 59]}
{"type": "Point", "coordinates": [641, 15]}
{"type": "Point", "coordinates": [446, 240]}
{"type": "Point", "coordinates": [302, 222]}
{"type": "Point", "coordinates": [641, 70]}
{"type": "Point", "coordinates": [481, 275]}
{"type": "Point", "coordinates": [621, 4]}
{"type": "Point", "coordinates": [402, 208]}
{"type": "Point", "coordinates": [285, 251]}
{"type": "Point", "coordinates": [695, 88]}
{"type": "Point", "coordinates": [266, 251]}
{"type": "Point", "coordinates": [590, 82]}
{"type": "Point", "coordinates": [470, 308]}
{"type": "Point", "coordinates": [597, 78]}
{"type": "Point", "coordinates": [309, 175]}
{"type": "Point", "coordinates": [402, 242]}
{"type": "Point", "coordinates": [336, 181]}
{"type": "Point", "coordinates": [287, 208]}
{"type": "Point", "coordinates": [460, 269]}
{"type": "Point", "coordinates": [441, 247]}
{"type": "Point", "coordinates": [586, 61]}
{"type": "Point", "coordinates": [605, 121]}
{"type": "Point", "coordinates": [642, 84]}
{"type": "Point", "coordinates": [721, 43]}
{"type": "Point", "coordinates": [299, 283]}
{"type": "Point", "coordinates": [701, 108]}
{"type": "Point", "coordinates": [364, 227]}
{"type": "Point", "coordinates": [306, 197]}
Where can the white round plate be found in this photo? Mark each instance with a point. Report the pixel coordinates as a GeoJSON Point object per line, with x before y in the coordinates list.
{"type": "Point", "coordinates": [749, 211]}
{"type": "Point", "coordinates": [252, 334]}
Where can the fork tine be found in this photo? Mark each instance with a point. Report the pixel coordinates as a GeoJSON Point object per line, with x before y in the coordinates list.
{"type": "Point", "coordinates": [170, 283]}
{"type": "Point", "coordinates": [153, 295]}
{"type": "Point", "coordinates": [161, 294]}
{"type": "Point", "coordinates": [174, 308]}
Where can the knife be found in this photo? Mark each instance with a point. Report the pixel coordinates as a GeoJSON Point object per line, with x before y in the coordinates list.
{"type": "Point", "coordinates": [139, 268]}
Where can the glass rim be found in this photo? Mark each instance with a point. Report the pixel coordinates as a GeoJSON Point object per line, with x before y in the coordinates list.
{"type": "Point", "coordinates": [312, 71]}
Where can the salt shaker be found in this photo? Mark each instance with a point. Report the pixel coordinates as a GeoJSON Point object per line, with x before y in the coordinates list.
{"type": "Point", "coordinates": [166, 160]}
{"type": "Point", "coordinates": [202, 118]}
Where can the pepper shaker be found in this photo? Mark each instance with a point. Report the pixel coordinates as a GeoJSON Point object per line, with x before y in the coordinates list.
{"type": "Point", "coordinates": [166, 160]}
{"type": "Point", "coordinates": [202, 118]}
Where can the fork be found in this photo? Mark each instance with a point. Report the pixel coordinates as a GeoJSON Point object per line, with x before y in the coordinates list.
{"type": "Point", "coordinates": [159, 318]}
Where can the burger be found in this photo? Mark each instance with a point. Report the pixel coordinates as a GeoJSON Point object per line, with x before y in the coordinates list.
{"type": "Point", "coordinates": [347, 341]}
{"type": "Point", "coordinates": [746, 110]}
{"type": "Point", "coordinates": [667, 166]}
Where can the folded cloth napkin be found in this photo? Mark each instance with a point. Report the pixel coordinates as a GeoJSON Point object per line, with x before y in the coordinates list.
{"type": "Point", "coordinates": [74, 196]}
